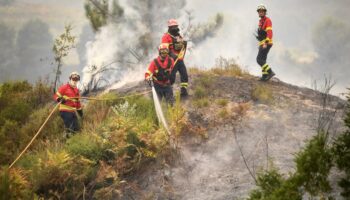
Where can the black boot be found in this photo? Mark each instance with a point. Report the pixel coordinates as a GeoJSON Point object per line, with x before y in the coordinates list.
{"type": "Point", "coordinates": [183, 92]}
{"type": "Point", "coordinates": [263, 77]}
{"type": "Point", "coordinates": [269, 75]}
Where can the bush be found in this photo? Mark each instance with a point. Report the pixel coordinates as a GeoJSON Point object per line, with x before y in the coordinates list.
{"type": "Point", "coordinates": [272, 186]}
{"type": "Point", "coordinates": [14, 184]}
{"type": "Point", "coordinates": [89, 146]}
{"type": "Point", "coordinates": [313, 165]}
{"type": "Point", "coordinates": [58, 175]}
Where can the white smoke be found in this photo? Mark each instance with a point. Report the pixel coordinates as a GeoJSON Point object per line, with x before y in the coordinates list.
{"type": "Point", "coordinates": [126, 45]}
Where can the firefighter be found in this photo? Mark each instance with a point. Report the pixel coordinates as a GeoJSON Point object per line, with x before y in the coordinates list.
{"type": "Point", "coordinates": [68, 95]}
{"type": "Point", "coordinates": [177, 48]}
{"type": "Point", "coordinates": [159, 72]}
{"type": "Point", "coordinates": [264, 36]}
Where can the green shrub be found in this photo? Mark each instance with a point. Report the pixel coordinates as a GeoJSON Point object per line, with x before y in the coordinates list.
{"type": "Point", "coordinates": [272, 186]}
{"type": "Point", "coordinates": [313, 165]}
{"type": "Point", "coordinates": [341, 154]}
{"type": "Point", "coordinates": [58, 175]}
{"type": "Point", "coordinates": [89, 146]}
{"type": "Point", "coordinates": [14, 184]}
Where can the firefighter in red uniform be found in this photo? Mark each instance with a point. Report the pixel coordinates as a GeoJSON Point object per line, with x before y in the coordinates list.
{"type": "Point", "coordinates": [264, 36]}
{"type": "Point", "coordinates": [177, 48]}
{"type": "Point", "coordinates": [68, 95]}
{"type": "Point", "coordinates": [159, 71]}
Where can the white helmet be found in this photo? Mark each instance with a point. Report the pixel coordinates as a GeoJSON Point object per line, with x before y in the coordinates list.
{"type": "Point", "coordinates": [74, 74]}
{"type": "Point", "coordinates": [261, 7]}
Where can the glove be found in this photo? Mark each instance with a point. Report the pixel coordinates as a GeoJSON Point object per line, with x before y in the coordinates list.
{"type": "Point", "coordinates": [148, 80]}
{"type": "Point", "coordinates": [80, 113]}
{"type": "Point", "coordinates": [61, 99]}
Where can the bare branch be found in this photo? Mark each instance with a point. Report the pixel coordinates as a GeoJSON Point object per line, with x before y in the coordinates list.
{"type": "Point", "coordinates": [244, 159]}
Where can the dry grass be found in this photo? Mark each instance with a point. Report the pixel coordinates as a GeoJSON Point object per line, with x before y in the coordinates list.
{"type": "Point", "coordinates": [222, 102]}
{"type": "Point", "coordinates": [263, 94]}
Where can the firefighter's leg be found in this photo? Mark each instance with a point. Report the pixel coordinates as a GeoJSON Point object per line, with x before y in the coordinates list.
{"type": "Point", "coordinates": [173, 73]}
{"type": "Point", "coordinates": [183, 77]}
{"type": "Point", "coordinates": [67, 118]}
{"type": "Point", "coordinates": [169, 96]}
{"type": "Point", "coordinates": [261, 60]}
{"type": "Point", "coordinates": [160, 91]}
{"type": "Point", "coordinates": [75, 123]}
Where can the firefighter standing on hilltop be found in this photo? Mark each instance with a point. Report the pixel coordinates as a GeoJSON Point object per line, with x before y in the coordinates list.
{"type": "Point", "coordinates": [68, 95]}
{"type": "Point", "coordinates": [159, 72]}
{"type": "Point", "coordinates": [177, 48]}
{"type": "Point", "coordinates": [264, 36]}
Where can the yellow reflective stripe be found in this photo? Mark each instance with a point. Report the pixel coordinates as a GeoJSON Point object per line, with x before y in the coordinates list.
{"type": "Point", "coordinates": [184, 84]}
{"type": "Point", "coordinates": [65, 107]}
{"type": "Point", "coordinates": [149, 72]}
{"type": "Point", "coordinates": [265, 73]}
{"type": "Point", "coordinates": [70, 98]}
{"type": "Point", "coordinates": [58, 94]}
{"type": "Point", "coordinates": [265, 67]}
{"type": "Point", "coordinates": [262, 42]}
{"type": "Point", "coordinates": [268, 28]}
{"type": "Point", "coordinates": [267, 40]}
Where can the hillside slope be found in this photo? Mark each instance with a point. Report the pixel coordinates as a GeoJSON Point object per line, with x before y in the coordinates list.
{"type": "Point", "coordinates": [242, 120]}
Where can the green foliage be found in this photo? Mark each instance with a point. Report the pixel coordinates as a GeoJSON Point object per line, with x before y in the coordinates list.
{"type": "Point", "coordinates": [262, 94]}
{"type": "Point", "coordinates": [341, 154]}
{"type": "Point", "coordinates": [272, 186]}
{"type": "Point", "coordinates": [63, 44]}
{"type": "Point", "coordinates": [59, 175]}
{"type": "Point", "coordinates": [313, 165]}
{"type": "Point", "coordinates": [98, 12]}
{"type": "Point", "coordinates": [14, 184]}
{"type": "Point", "coordinates": [89, 146]}
{"type": "Point", "coordinates": [20, 102]}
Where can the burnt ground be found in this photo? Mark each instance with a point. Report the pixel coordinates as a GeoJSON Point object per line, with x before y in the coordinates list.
{"type": "Point", "coordinates": [212, 167]}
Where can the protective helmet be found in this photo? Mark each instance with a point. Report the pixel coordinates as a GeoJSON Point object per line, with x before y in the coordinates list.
{"type": "Point", "coordinates": [172, 22]}
{"type": "Point", "coordinates": [261, 7]}
{"type": "Point", "coordinates": [163, 48]}
{"type": "Point", "coordinates": [74, 75]}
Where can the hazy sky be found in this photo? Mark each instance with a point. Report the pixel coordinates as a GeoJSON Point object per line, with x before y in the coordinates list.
{"type": "Point", "coordinates": [293, 57]}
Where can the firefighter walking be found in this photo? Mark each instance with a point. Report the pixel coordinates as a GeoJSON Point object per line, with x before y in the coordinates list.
{"type": "Point", "coordinates": [264, 36]}
{"type": "Point", "coordinates": [177, 48]}
{"type": "Point", "coordinates": [68, 95]}
{"type": "Point", "coordinates": [159, 72]}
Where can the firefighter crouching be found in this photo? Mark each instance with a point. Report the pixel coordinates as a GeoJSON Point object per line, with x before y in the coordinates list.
{"type": "Point", "coordinates": [159, 72]}
{"type": "Point", "coordinates": [68, 95]}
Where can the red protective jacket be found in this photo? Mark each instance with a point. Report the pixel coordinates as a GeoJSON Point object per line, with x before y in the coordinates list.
{"type": "Point", "coordinates": [266, 25]}
{"type": "Point", "coordinates": [171, 40]}
{"type": "Point", "coordinates": [162, 77]}
{"type": "Point", "coordinates": [71, 95]}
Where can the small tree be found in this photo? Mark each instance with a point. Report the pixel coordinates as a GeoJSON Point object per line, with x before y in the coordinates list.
{"type": "Point", "coordinates": [341, 153]}
{"type": "Point", "coordinates": [63, 44]}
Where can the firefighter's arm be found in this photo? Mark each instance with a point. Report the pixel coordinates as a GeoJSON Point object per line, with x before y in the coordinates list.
{"type": "Point", "coordinates": [59, 96]}
{"type": "Point", "coordinates": [268, 30]}
{"type": "Point", "coordinates": [150, 71]}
